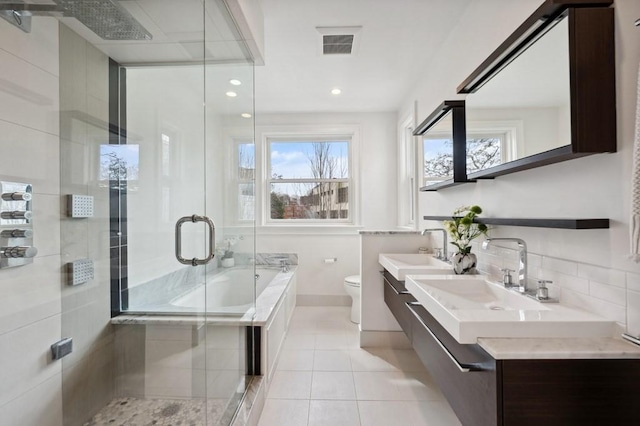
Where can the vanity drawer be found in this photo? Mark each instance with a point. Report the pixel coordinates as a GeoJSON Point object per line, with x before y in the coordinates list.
{"type": "Point", "coordinates": [396, 297]}
{"type": "Point", "coordinates": [466, 374]}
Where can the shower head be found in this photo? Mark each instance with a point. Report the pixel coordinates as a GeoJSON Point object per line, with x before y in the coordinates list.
{"type": "Point", "coordinates": [107, 19]}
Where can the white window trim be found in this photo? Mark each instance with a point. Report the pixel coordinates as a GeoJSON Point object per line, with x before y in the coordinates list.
{"type": "Point", "coordinates": [352, 132]}
{"type": "Point", "coordinates": [408, 179]}
{"type": "Point", "coordinates": [510, 132]}
{"type": "Point", "coordinates": [512, 129]}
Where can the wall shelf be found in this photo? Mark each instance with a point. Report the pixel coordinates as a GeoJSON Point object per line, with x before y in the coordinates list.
{"type": "Point", "coordinates": [537, 223]}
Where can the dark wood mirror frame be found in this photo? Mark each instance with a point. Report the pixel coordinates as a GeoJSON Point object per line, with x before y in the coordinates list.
{"type": "Point", "coordinates": [458, 124]}
{"type": "Point", "coordinates": [592, 79]}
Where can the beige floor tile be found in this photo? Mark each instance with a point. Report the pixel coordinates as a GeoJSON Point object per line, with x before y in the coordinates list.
{"type": "Point", "coordinates": [381, 386]}
{"type": "Point", "coordinates": [315, 385]}
{"type": "Point", "coordinates": [290, 385]}
{"type": "Point", "coordinates": [385, 413]}
{"type": "Point", "coordinates": [418, 386]}
{"type": "Point", "coordinates": [296, 360]}
{"type": "Point", "coordinates": [334, 342]}
{"type": "Point", "coordinates": [432, 413]}
{"type": "Point", "coordinates": [331, 361]}
{"type": "Point", "coordinates": [299, 341]}
{"type": "Point", "coordinates": [334, 413]}
{"type": "Point", "coordinates": [284, 412]}
{"type": "Point", "coordinates": [332, 385]}
{"type": "Point", "coordinates": [373, 359]}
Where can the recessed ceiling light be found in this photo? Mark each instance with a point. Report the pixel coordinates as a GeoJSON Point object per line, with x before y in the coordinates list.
{"type": "Point", "coordinates": [231, 94]}
{"type": "Point", "coordinates": [336, 91]}
{"type": "Point", "coordinates": [245, 115]}
{"type": "Point", "coordinates": [235, 82]}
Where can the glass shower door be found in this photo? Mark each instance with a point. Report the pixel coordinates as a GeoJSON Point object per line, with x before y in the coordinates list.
{"type": "Point", "coordinates": [157, 340]}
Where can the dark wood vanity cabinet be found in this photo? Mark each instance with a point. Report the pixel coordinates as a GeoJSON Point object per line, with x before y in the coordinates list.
{"type": "Point", "coordinates": [396, 296]}
{"type": "Point", "coordinates": [517, 392]}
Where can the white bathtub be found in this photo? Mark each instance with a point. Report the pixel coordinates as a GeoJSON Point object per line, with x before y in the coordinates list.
{"type": "Point", "coordinates": [230, 292]}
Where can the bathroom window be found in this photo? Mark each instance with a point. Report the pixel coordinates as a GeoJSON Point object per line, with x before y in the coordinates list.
{"type": "Point", "coordinates": [245, 196]}
{"type": "Point", "coordinates": [309, 179]}
{"type": "Point", "coordinates": [485, 148]}
{"type": "Point", "coordinates": [408, 178]}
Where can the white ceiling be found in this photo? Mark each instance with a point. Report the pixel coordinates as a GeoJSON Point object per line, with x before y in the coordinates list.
{"type": "Point", "coordinates": [396, 43]}
{"type": "Point", "coordinates": [397, 40]}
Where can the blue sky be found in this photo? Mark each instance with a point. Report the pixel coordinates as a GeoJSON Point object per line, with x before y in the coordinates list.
{"type": "Point", "coordinates": [291, 159]}
{"type": "Point", "coordinates": [434, 147]}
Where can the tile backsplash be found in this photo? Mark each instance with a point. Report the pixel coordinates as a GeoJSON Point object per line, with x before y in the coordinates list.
{"type": "Point", "coordinates": [611, 293]}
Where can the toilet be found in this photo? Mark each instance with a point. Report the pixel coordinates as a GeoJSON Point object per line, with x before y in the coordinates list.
{"type": "Point", "coordinates": [352, 286]}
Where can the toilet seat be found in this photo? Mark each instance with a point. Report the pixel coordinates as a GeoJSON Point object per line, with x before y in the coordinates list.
{"type": "Point", "coordinates": [352, 280]}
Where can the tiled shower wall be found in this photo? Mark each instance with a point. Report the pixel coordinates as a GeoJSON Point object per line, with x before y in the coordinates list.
{"type": "Point", "coordinates": [610, 293]}
{"type": "Point", "coordinates": [30, 306]}
{"type": "Point", "coordinates": [53, 103]}
{"type": "Point", "coordinates": [88, 381]}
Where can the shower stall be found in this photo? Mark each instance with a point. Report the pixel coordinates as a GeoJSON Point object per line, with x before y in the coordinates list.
{"type": "Point", "coordinates": [157, 194]}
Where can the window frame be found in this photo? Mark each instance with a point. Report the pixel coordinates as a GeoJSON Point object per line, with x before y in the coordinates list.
{"type": "Point", "coordinates": [237, 181]}
{"type": "Point", "coordinates": [510, 134]}
{"type": "Point", "coordinates": [349, 134]}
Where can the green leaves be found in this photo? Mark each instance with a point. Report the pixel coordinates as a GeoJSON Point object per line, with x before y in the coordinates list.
{"type": "Point", "coordinates": [462, 229]}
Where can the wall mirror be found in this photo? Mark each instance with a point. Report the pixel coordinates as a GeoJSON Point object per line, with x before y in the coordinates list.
{"type": "Point", "coordinates": [547, 94]}
{"type": "Point", "coordinates": [442, 144]}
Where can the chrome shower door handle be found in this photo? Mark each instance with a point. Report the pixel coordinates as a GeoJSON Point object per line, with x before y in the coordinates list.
{"type": "Point", "coordinates": [212, 240]}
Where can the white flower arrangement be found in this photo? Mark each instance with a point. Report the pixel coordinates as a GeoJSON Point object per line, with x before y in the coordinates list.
{"type": "Point", "coordinates": [223, 248]}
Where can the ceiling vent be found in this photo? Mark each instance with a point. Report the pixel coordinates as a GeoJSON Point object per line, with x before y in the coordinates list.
{"type": "Point", "coordinates": [339, 40]}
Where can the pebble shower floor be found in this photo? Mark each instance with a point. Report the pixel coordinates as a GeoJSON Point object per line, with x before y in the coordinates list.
{"type": "Point", "coordinates": [161, 412]}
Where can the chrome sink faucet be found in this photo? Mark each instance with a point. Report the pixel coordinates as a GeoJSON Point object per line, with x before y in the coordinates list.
{"type": "Point", "coordinates": [445, 255]}
{"type": "Point", "coordinates": [522, 267]}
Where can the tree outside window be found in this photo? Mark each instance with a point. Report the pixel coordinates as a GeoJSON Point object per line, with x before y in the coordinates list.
{"type": "Point", "coordinates": [309, 180]}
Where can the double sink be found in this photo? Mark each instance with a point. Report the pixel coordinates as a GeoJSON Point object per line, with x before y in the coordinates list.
{"type": "Point", "coordinates": [470, 306]}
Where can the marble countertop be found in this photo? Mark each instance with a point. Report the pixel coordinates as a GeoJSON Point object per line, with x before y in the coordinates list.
{"type": "Point", "coordinates": [560, 348]}
{"type": "Point", "coordinates": [391, 232]}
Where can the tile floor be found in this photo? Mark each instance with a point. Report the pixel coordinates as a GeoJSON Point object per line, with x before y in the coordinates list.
{"type": "Point", "coordinates": [324, 378]}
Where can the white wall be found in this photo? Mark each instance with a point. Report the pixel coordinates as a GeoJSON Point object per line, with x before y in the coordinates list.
{"type": "Point", "coordinates": [377, 183]}
{"type": "Point", "coordinates": [30, 306]}
{"type": "Point", "coordinates": [597, 186]}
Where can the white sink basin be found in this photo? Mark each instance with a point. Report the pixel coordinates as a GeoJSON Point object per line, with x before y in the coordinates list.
{"type": "Point", "coordinates": [400, 264]}
{"type": "Point", "coordinates": [469, 307]}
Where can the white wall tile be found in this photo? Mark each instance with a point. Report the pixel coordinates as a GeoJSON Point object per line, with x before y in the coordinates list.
{"type": "Point", "coordinates": [46, 224]}
{"type": "Point", "coordinates": [602, 275]}
{"type": "Point", "coordinates": [39, 47]}
{"type": "Point", "coordinates": [607, 292]}
{"type": "Point", "coordinates": [29, 156]}
{"type": "Point", "coordinates": [28, 95]}
{"type": "Point", "coordinates": [559, 265]}
{"type": "Point", "coordinates": [41, 406]}
{"type": "Point", "coordinates": [633, 313]}
{"type": "Point", "coordinates": [30, 293]}
{"type": "Point", "coordinates": [633, 281]}
{"type": "Point", "coordinates": [26, 357]}
{"type": "Point", "coordinates": [591, 304]}
{"type": "Point", "coordinates": [169, 332]}
{"type": "Point", "coordinates": [569, 282]}
{"type": "Point", "coordinates": [170, 354]}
